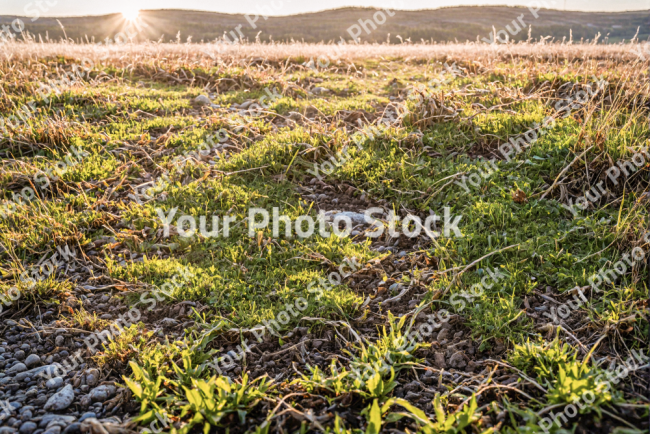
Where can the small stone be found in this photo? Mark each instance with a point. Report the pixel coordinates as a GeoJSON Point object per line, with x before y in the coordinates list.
{"type": "Point", "coordinates": [49, 419]}
{"type": "Point", "coordinates": [440, 359]}
{"type": "Point", "coordinates": [87, 415]}
{"type": "Point", "coordinates": [26, 408]}
{"type": "Point", "coordinates": [59, 341]}
{"type": "Point", "coordinates": [85, 401]}
{"type": "Point", "coordinates": [55, 429]}
{"type": "Point", "coordinates": [17, 368]}
{"type": "Point", "coordinates": [60, 400]}
{"type": "Point", "coordinates": [28, 428]}
{"type": "Point", "coordinates": [73, 428]}
{"type": "Point", "coordinates": [355, 217]}
{"type": "Point", "coordinates": [19, 355]}
{"type": "Point", "coordinates": [320, 90]}
{"type": "Point", "coordinates": [33, 361]}
{"type": "Point", "coordinates": [21, 377]}
{"type": "Point", "coordinates": [49, 370]}
{"type": "Point", "coordinates": [412, 396]}
{"type": "Point", "coordinates": [168, 322]}
{"type": "Point", "coordinates": [458, 360]}
{"type": "Point", "coordinates": [40, 400]}
{"type": "Point", "coordinates": [202, 100]}
{"type": "Point", "coordinates": [413, 386]}
{"type": "Point", "coordinates": [102, 393]}
{"type": "Point", "coordinates": [92, 377]}
{"type": "Point", "coordinates": [444, 334]}
{"type": "Point", "coordinates": [54, 383]}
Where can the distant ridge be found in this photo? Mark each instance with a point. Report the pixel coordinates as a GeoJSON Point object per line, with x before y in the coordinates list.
{"type": "Point", "coordinates": [440, 25]}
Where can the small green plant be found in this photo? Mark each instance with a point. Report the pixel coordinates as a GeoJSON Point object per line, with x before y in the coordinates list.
{"type": "Point", "coordinates": [123, 346]}
{"type": "Point", "coordinates": [574, 382]}
{"type": "Point", "coordinates": [211, 401]}
{"type": "Point", "coordinates": [458, 422]}
{"type": "Point", "coordinates": [373, 366]}
{"type": "Point", "coordinates": [542, 360]}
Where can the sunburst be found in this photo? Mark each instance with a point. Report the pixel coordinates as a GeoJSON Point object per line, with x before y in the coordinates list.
{"type": "Point", "coordinates": [131, 14]}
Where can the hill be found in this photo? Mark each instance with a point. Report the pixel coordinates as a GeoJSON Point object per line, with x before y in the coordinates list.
{"type": "Point", "coordinates": [447, 24]}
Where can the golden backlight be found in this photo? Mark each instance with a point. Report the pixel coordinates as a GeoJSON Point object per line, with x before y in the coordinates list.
{"type": "Point", "coordinates": [131, 14]}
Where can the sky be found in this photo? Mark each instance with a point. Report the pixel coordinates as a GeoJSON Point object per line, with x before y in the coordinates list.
{"type": "Point", "coordinates": [61, 8]}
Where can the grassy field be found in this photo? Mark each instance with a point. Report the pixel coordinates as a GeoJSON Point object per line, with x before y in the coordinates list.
{"type": "Point", "coordinates": [532, 311]}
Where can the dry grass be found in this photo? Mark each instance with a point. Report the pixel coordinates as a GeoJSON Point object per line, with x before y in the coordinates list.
{"type": "Point", "coordinates": [275, 52]}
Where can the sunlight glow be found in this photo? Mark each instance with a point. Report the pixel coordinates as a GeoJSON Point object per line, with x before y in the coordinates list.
{"type": "Point", "coordinates": [131, 14]}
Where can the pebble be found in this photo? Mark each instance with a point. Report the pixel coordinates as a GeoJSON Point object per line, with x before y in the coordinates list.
{"type": "Point", "coordinates": [87, 415]}
{"type": "Point", "coordinates": [355, 217]}
{"type": "Point", "coordinates": [47, 369]}
{"type": "Point", "coordinates": [33, 361]}
{"type": "Point", "coordinates": [102, 393]}
{"type": "Point", "coordinates": [60, 400]}
{"type": "Point", "coordinates": [28, 427]}
{"type": "Point", "coordinates": [92, 377]}
{"type": "Point", "coordinates": [59, 341]}
{"type": "Point", "coordinates": [49, 418]}
{"type": "Point", "coordinates": [54, 383]}
{"type": "Point", "coordinates": [17, 368]}
{"type": "Point", "coordinates": [202, 100]}
{"type": "Point", "coordinates": [73, 428]}
{"type": "Point", "coordinates": [19, 355]}
{"type": "Point", "coordinates": [319, 90]}
{"type": "Point", "coordinates": [168, 322]}
{"type": "Point", "coordinates": [457, 360]}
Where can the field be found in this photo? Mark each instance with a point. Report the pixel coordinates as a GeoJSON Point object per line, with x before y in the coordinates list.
{"type": "Point", "coordinates": [466, 248]}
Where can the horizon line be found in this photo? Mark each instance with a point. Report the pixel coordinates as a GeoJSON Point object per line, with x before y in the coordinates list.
{"type": "Point", "coordinates": [338, 9]}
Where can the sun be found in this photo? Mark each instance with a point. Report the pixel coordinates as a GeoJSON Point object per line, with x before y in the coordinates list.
{"type": "Point", "coordinates": [131, 14]}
